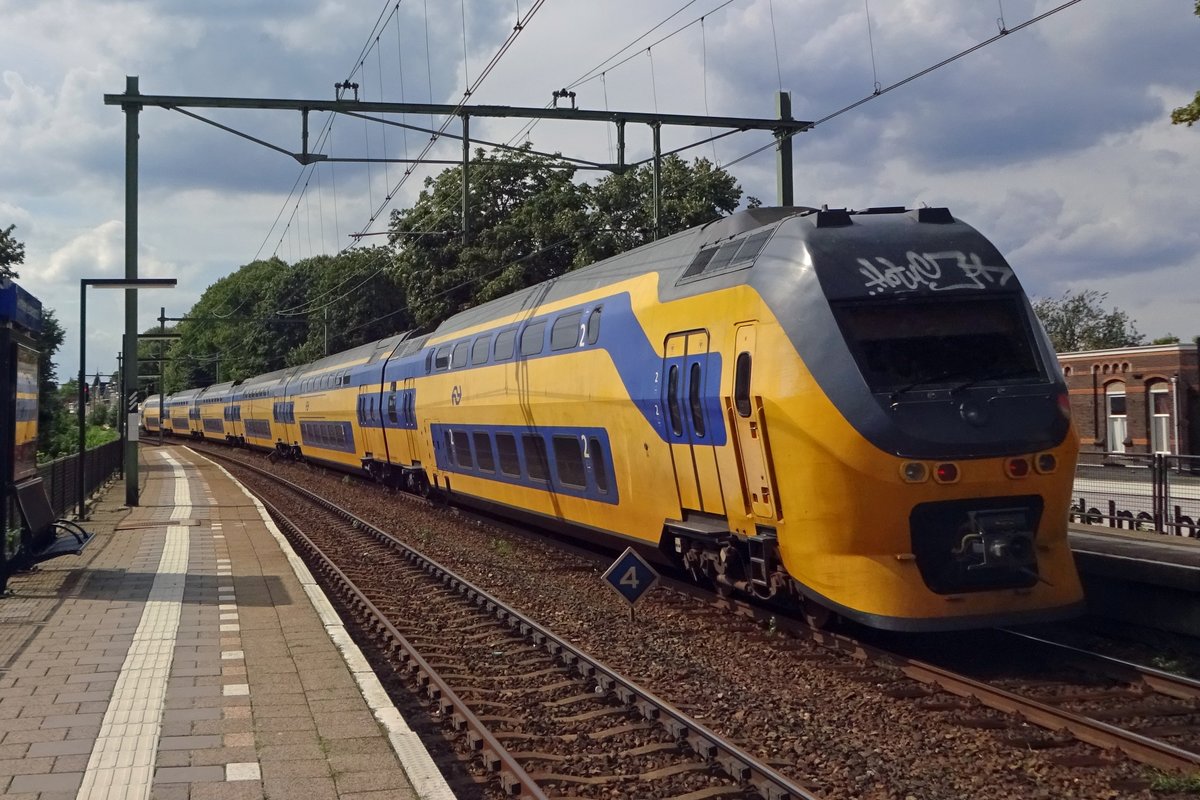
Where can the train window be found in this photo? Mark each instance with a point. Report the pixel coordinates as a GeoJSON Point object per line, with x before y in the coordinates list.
{"type": "Point", "coordinates": [479, 350]}
{"type": "Point", "coordinates": [723, 256]}
{"type": "Point", "coordinates": [532, 338]}
{"type": "Point", "coordinates": [462, 352]}
{"type": "Point", "coordinates": [593, 326]}
{"type": "Point", "coordinates": [673, 409]}
{"type": "Point", "coordinates": [741, 385]}
{"type": "Point", "coordinates": [568, 459]}
{"type": "Point", "coordinates": [536, 462]}
{"type": "Point", "coordinates": [429, 362]}
{"type": "Point", "coordinates": [449, 442]}
{"type": "Point", "coordinates": [937, 344]}
{"type": "Point", "coordinates": [695, 378]}
{"type": "Point", "coordinates": [392, 408]}
{"type": "Point", "coordinates": [483, 451]}
{"type": "Point", "coordinates": [442, 359]}
{"type": "Point", "coordinates": [599, 467]}
{"type": "Point", "coordinates": [752, 246]}
{"type": "Point", "coordinates": [505, 342]}
{"type": "Point", "coordinates": [462, 449]}
{"type": "Point", "coordinates": [565, 333]}
{"type": "Point", "coordinates": [699, 262]}
{"type": "Point", "coordinates": [506, 447]}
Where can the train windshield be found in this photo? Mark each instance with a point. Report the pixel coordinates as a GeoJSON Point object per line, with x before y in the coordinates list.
{"type": "Point", "coordinates": [941, 344]}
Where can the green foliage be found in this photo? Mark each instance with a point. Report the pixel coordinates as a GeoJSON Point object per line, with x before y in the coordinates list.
{"type": "Point", "coordinates": [1079, 321]}
{"type": "Point", "coordinates": [1174, 783]}
{"type": "Point", "coordinates": [52, 413]}
{"type": "Point", "coordinates": [1189, 114]}
{"type": "Point", "coordinates": [1170, 338]}
{"type": "Point", "coordinates": [621, 207]}
{"type": "Point", "coordinates": [12, 253]}
{"type": "Point", "coordinates": [527, 223]}
{"type": "Point", "coordinates": [530, 221]}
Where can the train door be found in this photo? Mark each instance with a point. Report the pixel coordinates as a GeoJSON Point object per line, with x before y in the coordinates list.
{"type": "Point", "coordinates": [749, 429]}
{"type": "Point", "coordinates": [374, 443]}
{"type": "Point", "coordinates": [685, 398]}
{"type": "Point", "coordinates": [409, 406]}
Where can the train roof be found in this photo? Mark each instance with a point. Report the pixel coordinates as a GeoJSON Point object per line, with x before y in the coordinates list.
{"type": "Point", "coordinates": [364, 354]}
{"type": "Point", "coordinates": [216, 389]}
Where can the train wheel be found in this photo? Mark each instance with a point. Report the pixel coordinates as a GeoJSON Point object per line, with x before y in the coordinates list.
{"type": "Point", "coordinates": [816, 615]}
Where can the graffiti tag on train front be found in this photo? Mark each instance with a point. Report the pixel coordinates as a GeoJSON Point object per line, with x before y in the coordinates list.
{"type": "Point", "coordinates": [938, 272]}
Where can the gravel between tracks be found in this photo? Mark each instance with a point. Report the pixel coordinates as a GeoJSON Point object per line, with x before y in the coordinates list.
{"type": "Point", "coordinates": [833, 729]}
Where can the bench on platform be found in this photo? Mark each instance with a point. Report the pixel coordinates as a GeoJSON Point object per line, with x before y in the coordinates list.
{"type": "Point", "coordinates": [46, 537]}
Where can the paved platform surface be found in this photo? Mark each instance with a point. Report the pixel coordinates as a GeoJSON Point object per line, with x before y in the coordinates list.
{"type": "Point", "coordinates": [187, 653]}
{"type": "Point", "coordinates": [1158, 559]}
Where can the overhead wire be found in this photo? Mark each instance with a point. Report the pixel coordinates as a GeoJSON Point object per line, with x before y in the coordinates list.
{"type": "Point", "coordinates": [884, 90]}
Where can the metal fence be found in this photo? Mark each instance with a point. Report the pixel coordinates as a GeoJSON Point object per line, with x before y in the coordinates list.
{"type": "Point", "coordinates": [61, 476]}
{"type": "Point", "coordinates": [1138, 492]}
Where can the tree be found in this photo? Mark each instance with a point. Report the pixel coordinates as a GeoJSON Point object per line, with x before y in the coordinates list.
{"type": "Point", "coordinates": [621, 207]}
{"type": "Point", "coordinates": [1189, 114]}
{"type": "Point", "coordinates": [52, 414]}
{"type": "Point", "coordinates": [527, 222]}
{"type": "Point", "coordinates": [531, 221]}
{"type": "Point", "coordinates": [12, 253]}
{"type": "Point", "coordinates": [1079, 321]}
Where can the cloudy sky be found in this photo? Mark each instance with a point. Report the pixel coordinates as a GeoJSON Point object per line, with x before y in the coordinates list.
{"type": "Point", "coordinates": [1054, 141]}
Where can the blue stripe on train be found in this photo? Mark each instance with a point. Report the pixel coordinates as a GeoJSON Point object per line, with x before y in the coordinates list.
{"type": "Point", "coordinates": [640, 367]}
{"type": "Point", "coordinates": [591, 477]}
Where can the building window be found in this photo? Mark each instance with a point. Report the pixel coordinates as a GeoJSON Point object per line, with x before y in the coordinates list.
{"type": "Point", "coordinates": [1114, 403]}
{"type": "Point", "coordinates": [1160, 417]}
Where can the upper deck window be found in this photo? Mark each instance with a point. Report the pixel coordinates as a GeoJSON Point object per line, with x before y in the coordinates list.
{"type": "Point", "coordinates": [532, 338]}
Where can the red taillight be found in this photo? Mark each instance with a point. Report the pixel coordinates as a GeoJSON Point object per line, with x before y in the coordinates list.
{"type": "Point", "coordinates": [1016, 467]}
{"type": "Point", "coordinates": [1064, 405]}
{"type": "Point", "coordinates": [945, 473]}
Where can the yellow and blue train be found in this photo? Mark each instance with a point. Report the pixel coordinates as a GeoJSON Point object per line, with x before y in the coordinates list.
{"type": "Point", "coordinates": [854, 411]}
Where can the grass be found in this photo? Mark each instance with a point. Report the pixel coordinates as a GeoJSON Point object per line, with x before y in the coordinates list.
{"type": "Point", "coordinates": [502, 547]}
{"type": "Point", "coordinates": [1175, 783]}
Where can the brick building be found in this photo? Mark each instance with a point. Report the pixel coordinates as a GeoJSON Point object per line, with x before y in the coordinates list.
{"type": "Point", "coordinates": [1136, 399]}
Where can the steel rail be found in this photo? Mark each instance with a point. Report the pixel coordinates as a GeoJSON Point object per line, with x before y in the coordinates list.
{"type": "Point", "coordinates": [737, 763]}
{"type": "Point", "coordinates": [495, 756]}
{"type": "Point", "coordinates": [1180, 687]}
{"type": "Point", "coordinates": [1084, 728]}
{"type": "Point", "coordinates": [1091, 731]}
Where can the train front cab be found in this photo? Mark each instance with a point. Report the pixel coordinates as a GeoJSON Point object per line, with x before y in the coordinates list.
{"type": "Point", "coordinates": [930, 500]}
{"type": "Point", "coordinates": [150, 416]}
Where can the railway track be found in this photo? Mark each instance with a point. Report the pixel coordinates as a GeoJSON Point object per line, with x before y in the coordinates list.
{"type": "Point", "coordinates": [1119, 707]}
{"type": "Point", "coordinates": [1112, 704]}
{"type": "Point", "coordinates": [543, 717]}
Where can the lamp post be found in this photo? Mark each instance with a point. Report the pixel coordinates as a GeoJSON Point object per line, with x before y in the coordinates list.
{"type": "Point", "coordinates": [100, 283]}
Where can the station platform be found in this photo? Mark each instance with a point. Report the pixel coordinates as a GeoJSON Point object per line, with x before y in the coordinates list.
{"type": "Point", "coordinates": [1144, 578]}
{"type": "Point", "coordinates": [188, 653]}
